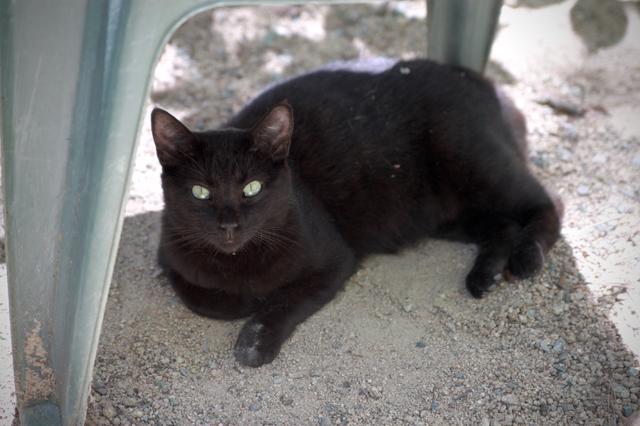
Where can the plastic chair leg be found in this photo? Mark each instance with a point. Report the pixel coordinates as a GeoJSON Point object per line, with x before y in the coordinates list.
{"type": "Point", "coordinates": [460, 32]}
{"type": "Point", "coordinates": [71, 104]}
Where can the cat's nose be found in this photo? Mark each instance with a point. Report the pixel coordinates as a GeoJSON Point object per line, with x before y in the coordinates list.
{"type": "Point", "coordinates": [229, 228]}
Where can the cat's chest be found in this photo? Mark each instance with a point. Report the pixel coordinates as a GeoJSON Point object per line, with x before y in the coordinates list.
{"type": "Point", "coordinates": [246, 273]}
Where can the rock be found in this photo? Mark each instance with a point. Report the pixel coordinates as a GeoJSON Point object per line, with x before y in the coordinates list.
{"type": "Point", "coordinates": [620, 391]}
{"type": "Point", "coordinates": [544, 345]}
{"type": "Point", "coordinates": [254, 407]}
{"type": "Point", "coordinates": [558, 345]}
{"type": "Point", "coordinates": [544, 410]}
{"type": "Point", "coordinates": [407, 307]}
{"type": "Point", "coordinates": [420, 344]}
{"type": "Point", "coordinates": [633, 372]}
{"type": "Point", "coordinates": [108, 409]}
{"type": "Point", "coordinates": [539, 160]}
{"type": "Point", "coordinates": [314, 372]}
{"type": "Point", "coordinates": [510, 399]}
{"type": "Point", "coordinates": [560, 367]}
{"type": "Point", "coordinates": [371, 392]}
{"type": "Point", "coordinates": [130, 402]}
{"type": "Point", "coordinates": [286, 400]}
{"type": "Point", "coordinates": [558, 308]}
{"type": "Point", "coordinates": [564, 154]}
{"type": "Point", "coordinates": [568, 132]}
{"type": "Point", "coordinates": [324, 421]}
{"type": "Point", "coordinates": [434, 406]}
{"type": "Point", "coordinates": [627, 410]}
{"type": "Point", "coordinates": [100, 388]}
{"type": "Point", "coordinates": [599, 158]}
{"type": "Point", "coordinates": [138, 413]}
{"type": "Point", "coordinates": [583, 190]}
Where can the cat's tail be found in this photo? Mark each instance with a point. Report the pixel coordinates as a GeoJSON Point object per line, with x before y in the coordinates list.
{"type": "Point", "coordinates": [518, 127]}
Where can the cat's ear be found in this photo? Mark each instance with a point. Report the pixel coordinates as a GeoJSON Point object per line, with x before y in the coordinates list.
{"type": "Point", "coordinates": [272, 136]}
{"type": "Point", "coordinates": [170, 136]}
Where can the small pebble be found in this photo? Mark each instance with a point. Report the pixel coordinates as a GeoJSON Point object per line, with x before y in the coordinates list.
{"type": "Point", "coordinates": [538, 160]}
{"type": "Point", "coordinates": [558, 345]}
{"type": "Point", "coordinates": [633, 372]}
{"type": "Point", "coordinates": [544, 345]}
{"type": "Point", "coordinates": [130, 402]}
{"type": "Point", "coordinates": [286, 400]}
{"type": "Point", "coordinates": [569, 132]}
{"type": "Point", "coordinates": [108, 410]}
{"type": "Point", "coordinates": [100, 388]}
{"type": "Point", "coordinates": [434, 406]}
{"type": "Point", "coordinates": [254, 407]}
{"type": "Point", "coordinates": [583, 190]}
{"type": "Point", "coordinates": [620, 391]}
{"type": "Point", "coordinates": [420, 344]}
{"type": "Point", "coordinates": [405, 70]}
{"type": "Point", "coordinates": [564, 154]}
{"type": "Point", "coordinates": [627, 410]}
{"type": "Point", "coordinates": [544, 409]}
{"type": "Point", "coordinates": [324, 421]}
{"type": "Point", "coordinates": [599, 158]}
{"type": "Point", "coordinates": [510, 399]}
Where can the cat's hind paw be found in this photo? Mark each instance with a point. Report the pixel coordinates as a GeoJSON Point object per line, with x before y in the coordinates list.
{"type": "Point", "coordinates": [479, 284]}
{"type": "Point", "coordinates": [526, 259]}
{"type": "Point", "coordinates": [256, 345]}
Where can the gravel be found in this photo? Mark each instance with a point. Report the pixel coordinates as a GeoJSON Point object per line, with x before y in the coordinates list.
{"type": "Point", "coordinates": [538, 351]}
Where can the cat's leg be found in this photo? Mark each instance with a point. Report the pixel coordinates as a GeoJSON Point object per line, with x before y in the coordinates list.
{"type": "Point", "coordinates": [495, 239]}
{"type": "Point", "coordinates": [212, 303]}
{"type": "Point", "coordinates": [540, 232]}
{"type": "Point", "coordinates": [262, 336]}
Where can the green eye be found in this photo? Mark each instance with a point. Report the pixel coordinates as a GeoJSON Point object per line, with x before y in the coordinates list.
{"type": "Point", "coordinates": [200, 192]}
{"type": "Point", "coordinates": [252, 189]}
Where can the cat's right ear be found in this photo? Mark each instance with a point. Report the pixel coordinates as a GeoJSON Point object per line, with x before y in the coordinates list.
{"type": "Point", "coordinates": [170, 136]}
{"type": "Point", "coordinates": [272, 136]}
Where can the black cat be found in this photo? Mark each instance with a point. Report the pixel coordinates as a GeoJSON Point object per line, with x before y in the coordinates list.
{"type": "Point", "coordinates": [269, 215]}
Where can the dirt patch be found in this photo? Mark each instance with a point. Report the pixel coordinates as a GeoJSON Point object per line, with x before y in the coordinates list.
{"type": "Point", "coordinates": [404, 343]}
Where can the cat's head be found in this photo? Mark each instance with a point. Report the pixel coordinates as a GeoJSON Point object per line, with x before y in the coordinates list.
{"type": "Point", "coordinates": [224, 188]}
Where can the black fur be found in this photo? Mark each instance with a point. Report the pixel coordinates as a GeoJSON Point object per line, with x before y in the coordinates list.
{"type": "Point", "coordinates": [351, 163]}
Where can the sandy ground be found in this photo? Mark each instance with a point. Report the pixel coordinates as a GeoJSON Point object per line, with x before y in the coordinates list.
{"type": "Point", "coordinates": [405, 343]}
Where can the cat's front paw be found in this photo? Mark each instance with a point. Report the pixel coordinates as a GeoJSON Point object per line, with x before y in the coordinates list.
{"type": "Point", "coordinates": [526, 259]}
{"type": "Point", "coordinates": [256, 345]}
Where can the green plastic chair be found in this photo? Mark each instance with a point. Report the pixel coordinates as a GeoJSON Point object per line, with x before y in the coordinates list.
{"type": "Point", "coordinates": [74, 78]}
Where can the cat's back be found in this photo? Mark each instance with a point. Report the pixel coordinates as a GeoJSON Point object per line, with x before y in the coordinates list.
{"type": "Point", "coordinates": [378, 142]}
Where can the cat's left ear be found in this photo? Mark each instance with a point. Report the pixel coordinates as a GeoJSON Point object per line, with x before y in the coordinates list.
{"type": "Point", "coordinates": [272, 136]}
{"type": "Point", "coordinates": [172, 138]}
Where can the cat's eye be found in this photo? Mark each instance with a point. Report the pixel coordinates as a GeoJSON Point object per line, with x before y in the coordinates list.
{"type": "Point", "coordinates": [252, 189]}
{"type": "Point", "coordinates": [200, 192]}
